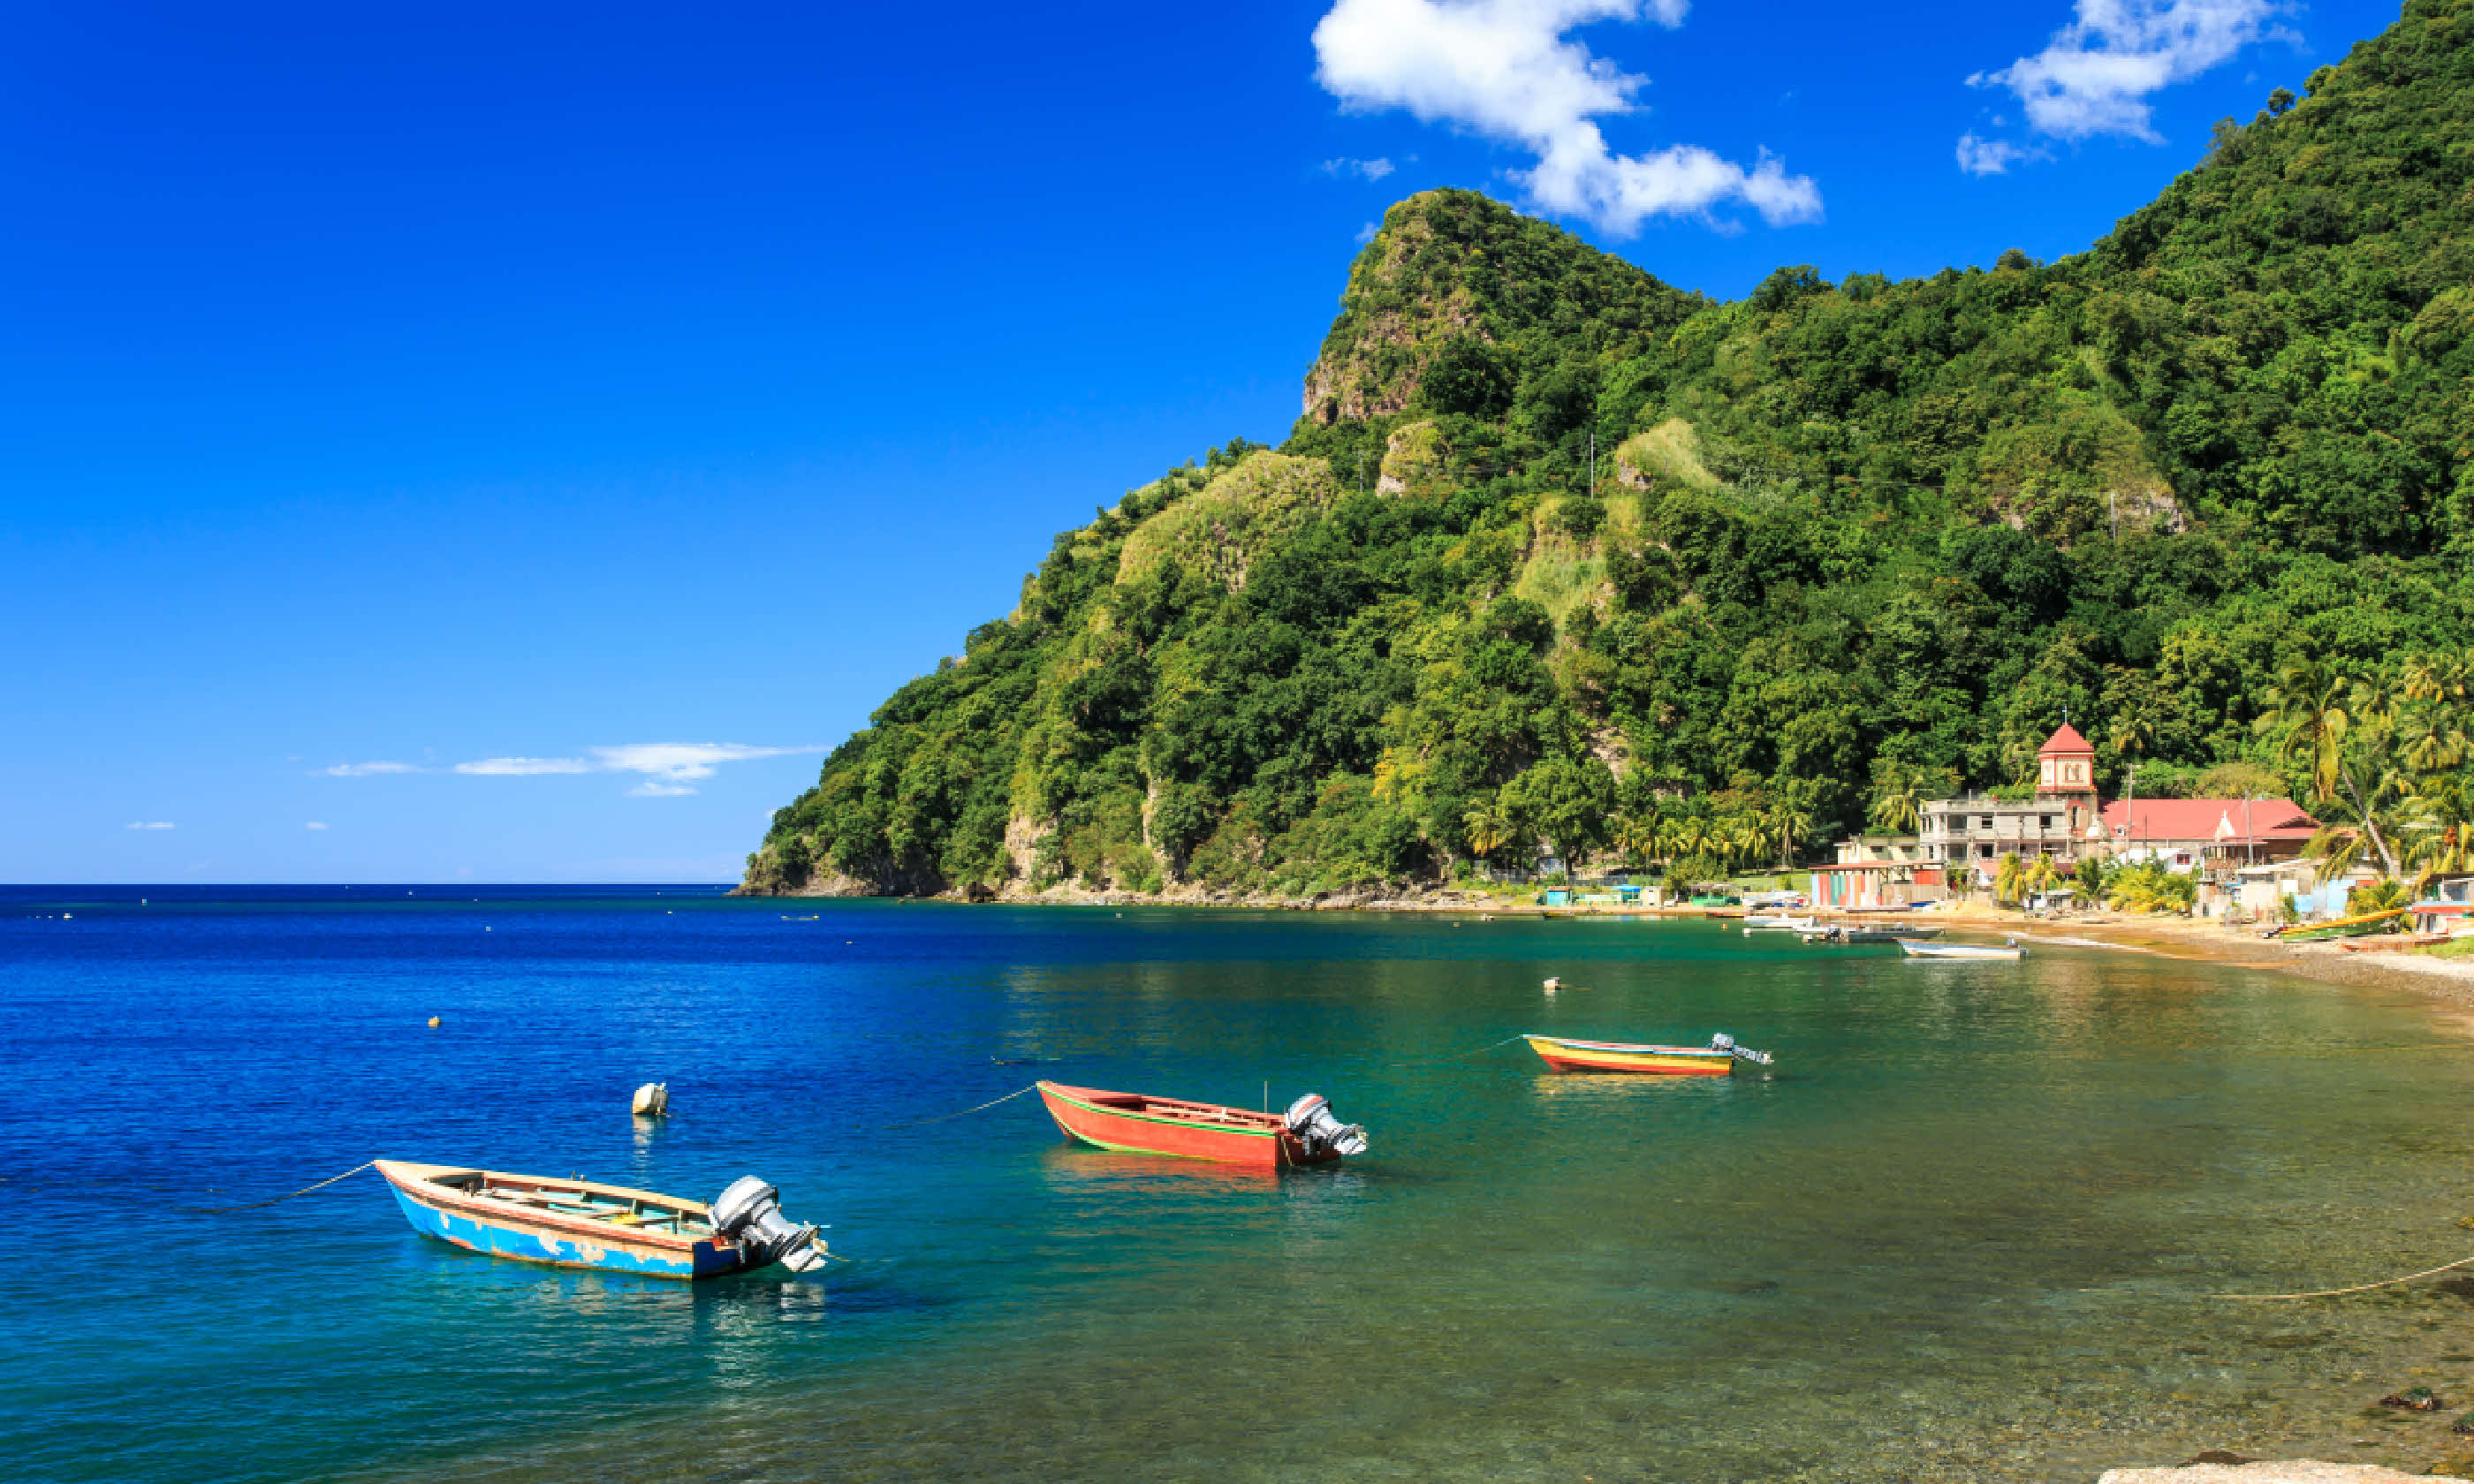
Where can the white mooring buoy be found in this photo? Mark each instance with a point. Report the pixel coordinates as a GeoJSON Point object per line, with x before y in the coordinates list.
{"type": "Point", "coordinates": [652, 1100]}
{"type": "Point", "coordinates": [1552, 985]}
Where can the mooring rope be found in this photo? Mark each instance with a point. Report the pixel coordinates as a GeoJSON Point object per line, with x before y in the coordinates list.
{"type": "Point", "coordinates": [913, 1123]}
{"type": "Point", "coordinates": [1465, 1055]}
{"type": "Point", "coordinates": [2330, 1293]}
{"type": "Point", "coordinates": [221, 1210]}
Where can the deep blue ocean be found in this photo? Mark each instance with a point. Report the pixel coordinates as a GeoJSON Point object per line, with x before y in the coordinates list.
{"type": "Point", "coordinates": [1966, 1231]}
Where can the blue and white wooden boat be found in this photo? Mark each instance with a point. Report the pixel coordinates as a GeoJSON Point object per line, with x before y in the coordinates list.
{"type": "Point", "coordinates": [585, 1224]}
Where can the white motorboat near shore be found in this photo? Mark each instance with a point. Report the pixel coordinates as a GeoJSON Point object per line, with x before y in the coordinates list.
{"type": "Point", "coordinates": [2010, 950]}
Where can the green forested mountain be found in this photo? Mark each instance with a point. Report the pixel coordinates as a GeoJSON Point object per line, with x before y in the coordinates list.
{"type": "Point", "coordinates": [1557, 553]}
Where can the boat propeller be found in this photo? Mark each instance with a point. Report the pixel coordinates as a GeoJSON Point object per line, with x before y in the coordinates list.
{"type": "Point", "coordinates": [1310, 1119]}
{"type": "Point", "coordinates": [1722, 1042]}
{"type": "Point", "coordinates": [750, 1213]}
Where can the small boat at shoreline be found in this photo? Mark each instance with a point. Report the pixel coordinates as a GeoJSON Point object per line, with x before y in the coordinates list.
{"type": "Point", "coordinates": [1775, 923]}
{"type": "Point", "coordinates": [1714, 1060]}
{"type": "Point", "coordinates": [2342, 927]}
{"type": "Point", "coordinates": [1962, 951]}
{"type": "Point", "coordinates": [586, 1224]}
{"type": "Point", "coordinates": [1135, 1123]}
{"type": "Point", "coordinates": [1852, 932]}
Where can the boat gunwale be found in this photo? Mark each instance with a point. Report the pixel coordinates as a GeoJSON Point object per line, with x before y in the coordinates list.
{"type": "Point", "coordinates": [1269, 1125]}
{"type": "Point", "coordinates": [1631, 1046]}
{"type": "Point", "coordinates": [424, 1190]}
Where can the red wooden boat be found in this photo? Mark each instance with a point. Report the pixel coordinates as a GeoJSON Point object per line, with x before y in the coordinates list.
{"type": "Point", "coordinates": [1132, 1123]}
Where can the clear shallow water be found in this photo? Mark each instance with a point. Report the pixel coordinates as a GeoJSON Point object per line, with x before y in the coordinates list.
{"type": "Point", "coordinates": [1960, 1235]}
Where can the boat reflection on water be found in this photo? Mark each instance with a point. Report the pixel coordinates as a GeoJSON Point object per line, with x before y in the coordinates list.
{"type": "Point", "coordinates": [1069, 1167]}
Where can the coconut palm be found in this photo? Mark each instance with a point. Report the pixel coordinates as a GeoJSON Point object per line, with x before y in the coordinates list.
{"type": "Point", "coordinates": [2313, 713]}
{"type": "Point", "coordinates": [1487, 829]}
{"type": "Point", "coordinates": [2439, 838]}
{"type": "Point", "coordinates": [1898, 801]}
{"type": "Point", "coordinates": [1637, 836]}
{"type": "Point", "coordinates": [2007, 878]}
{"type": "Point", "coordinates": [2039, 873]}
{"type": "Point", "coordinates": [1789, 825]}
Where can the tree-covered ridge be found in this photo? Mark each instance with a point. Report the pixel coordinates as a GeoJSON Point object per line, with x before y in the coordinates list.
{"type": "Point", "coordinates": [1560, 556]}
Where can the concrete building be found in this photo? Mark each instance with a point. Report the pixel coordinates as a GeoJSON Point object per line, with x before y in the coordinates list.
{"type": "Point", "coordinates": [1979, 828]}
{"type": "Point", "coordinates": [1968, 836]}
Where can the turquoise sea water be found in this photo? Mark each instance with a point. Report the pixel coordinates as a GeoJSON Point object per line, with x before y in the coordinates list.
{"type": "Point", "coordinates": [1964, 1232]}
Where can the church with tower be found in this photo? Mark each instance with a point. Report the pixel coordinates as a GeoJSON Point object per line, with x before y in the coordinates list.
{"type": "Point", "coordinates": [1962, 839]}
{"type": "Point", "coordinates": [2066, 820]}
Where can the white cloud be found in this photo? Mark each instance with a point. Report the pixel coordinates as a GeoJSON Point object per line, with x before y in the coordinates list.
{"type": "Point", "coordinates": [315, 825]}
{"type": "Point", "coordinates": [1504, 69]}
{"type": "Point", "coordinates": [2096, 75]}
{"type": "Point", "coordinates": [524, 767]}
{"type": "Point", "coordinates": [1366, 234]}
{"type": "Point", "coordinates": [685, 759]}
{"type": "Point", "coordinates": [668, 766]}
{"type": "Point", "coordinates": [1366, 169]}
{"type": "Point", "coordinates": [1992, 156]}
{"type": "Point", "coordinates": [363, 770]}
{"type": "Point", "coordinates": [151, 824]}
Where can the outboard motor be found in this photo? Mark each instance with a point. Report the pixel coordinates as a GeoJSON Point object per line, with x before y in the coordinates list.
{"type": "Point", "coordinates": [750, 1213]}
{"type": "Point", "coordinates": [1310, 1119]}
{"type": "Point", "coordinates": [1722, 1042]}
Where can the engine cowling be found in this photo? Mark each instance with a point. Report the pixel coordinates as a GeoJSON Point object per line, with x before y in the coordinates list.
{"type": "Point", "coordinates": [1311, 1120]}
{"type": "Point", "coordinates": [749, 1212]}
{"type": "Point", "coordinates": [1722, 1042]}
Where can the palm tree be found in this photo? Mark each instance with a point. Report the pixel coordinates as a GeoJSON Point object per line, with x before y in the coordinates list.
{"type": "Point", "coordinates": [1743, 841]}
{"type": "Point", "coordinates": [2307, 712]}
{"type": "Point", "coordinates": [1788, 823]}
{"type": "Point", "coordinates": [2007, 878]}
{"type": "Point", "coordinates": [1692, 836]}
{"type": "Point", "coordinates": [2440, 838]}
{"type": "Point", "coordinates": [2039, 873]}
{"type": "Point", "coordinates": [1898, 801]}
{"type": "Point", "coordinates": [1637, 836]}
{"type": "Point", "coordinates": [1487, 829]}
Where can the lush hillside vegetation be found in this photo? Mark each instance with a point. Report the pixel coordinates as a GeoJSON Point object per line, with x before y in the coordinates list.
{"type": "Point", "coordinates": [1559, 554]}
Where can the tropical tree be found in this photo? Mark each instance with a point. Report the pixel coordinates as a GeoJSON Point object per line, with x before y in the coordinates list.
{"type": "Point", "coordinates": [1788, 823]}
{"type": "Point", "coordinates": [2008, 878]}
{"type": "Point", "coordinates": [2039, 873]}
{"type": "Point", "coordinates": [2312, 713]}
{"type": "Point", "coordinates": [1487, 829]}
{"type": "Point", "coordinates": [2091, 877]}
{"type": "Point", "coordinates": [1897, 800]}
{"type": "Point", "coordinates": [2439, 832]}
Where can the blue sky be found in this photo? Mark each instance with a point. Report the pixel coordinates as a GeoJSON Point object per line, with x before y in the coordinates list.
{"type": "Point", "coordinates": [522, 389]}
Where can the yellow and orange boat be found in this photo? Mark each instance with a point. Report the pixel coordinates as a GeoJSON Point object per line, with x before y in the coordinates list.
{"type": "Point", "coordinates": [1714, 1060]}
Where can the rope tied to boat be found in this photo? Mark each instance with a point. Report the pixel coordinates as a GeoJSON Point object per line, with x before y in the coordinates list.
{"type": "Point", "coordinates": [2330, 1293]}
{"type": "Point", "coordinates": [913, 1123]}
{"type": "Point", "coordinates": [224, 1211]}
{"type": "Point", "coordinates": [1465, 1055]}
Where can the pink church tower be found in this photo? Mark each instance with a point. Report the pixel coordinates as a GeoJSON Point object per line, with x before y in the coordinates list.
{"type": "Point", "coordinates": [2065, 771]}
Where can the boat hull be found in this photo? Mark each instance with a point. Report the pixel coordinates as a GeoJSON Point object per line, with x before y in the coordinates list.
{"type": "Point", "coordinates": [476, 1224]}
{"type": "Point", "coordinates": [1960, 952]}
{"type": "Point", "coordinates": [1594, 1056]}
{"type": "Point", "coordinates": [1128, 1123]}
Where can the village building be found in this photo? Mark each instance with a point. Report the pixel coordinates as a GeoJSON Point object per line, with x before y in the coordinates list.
{"type": "Point", "coordinates": [1962, 839]}
{"type": "Point", "coordinates": [1980, 829]}
{"type": "Point", "coordinates": [2185, 832]}
{"type": "Point", "coordinates": [2448, 908]}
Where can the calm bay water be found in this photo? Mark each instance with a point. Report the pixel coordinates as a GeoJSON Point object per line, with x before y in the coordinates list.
{"type": "Point", "coordinates": [1963, 1233]}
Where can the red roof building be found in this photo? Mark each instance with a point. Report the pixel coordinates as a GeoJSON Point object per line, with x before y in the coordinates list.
{"type": "Point", "coordinates": [2273, 828]}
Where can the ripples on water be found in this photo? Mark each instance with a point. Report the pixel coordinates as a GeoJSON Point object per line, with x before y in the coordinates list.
{"type": "Point", "coordinates": [1963, 1233]}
